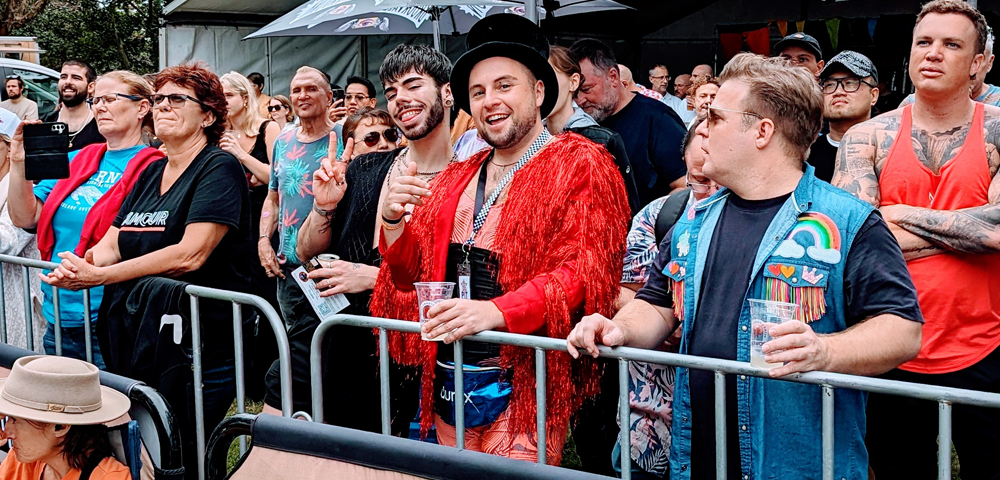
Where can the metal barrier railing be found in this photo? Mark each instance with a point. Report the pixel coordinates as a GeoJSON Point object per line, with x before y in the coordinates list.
{"type": "Point", "coordinates": [238, 299]}
{"type": "Point", "coordinates": [28, 264]}
{"type": "Point", "coordinates": [944, 396]}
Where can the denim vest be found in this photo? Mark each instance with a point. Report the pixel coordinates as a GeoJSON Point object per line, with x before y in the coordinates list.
{"type": "Point", "coordinates": [800, 259]}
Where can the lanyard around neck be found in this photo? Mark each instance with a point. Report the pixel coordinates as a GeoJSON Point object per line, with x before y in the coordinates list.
{"type": "Point", "coordinates": [484, 207]}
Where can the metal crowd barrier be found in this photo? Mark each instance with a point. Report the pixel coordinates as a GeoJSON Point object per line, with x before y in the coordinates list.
{"type": "Point", "coordinates": [944, 396]}
{"type": "Point", "coordinates": [238, 299]}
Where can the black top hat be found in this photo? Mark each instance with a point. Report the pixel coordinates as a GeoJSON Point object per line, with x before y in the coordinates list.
{"type": "Point", "coordinates": [510, 36]}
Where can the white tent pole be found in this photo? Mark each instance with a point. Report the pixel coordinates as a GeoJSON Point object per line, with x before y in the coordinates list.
{"type": "Point", "coordinates": [437, 34]}
{"type": "Point", "coordinates": [436, 23]}
{"type": "Point", "coordinates": [531, 10]}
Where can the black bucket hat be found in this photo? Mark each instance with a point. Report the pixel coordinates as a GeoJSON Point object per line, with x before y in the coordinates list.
{"type": "Point", "coordinates": [510, 36]}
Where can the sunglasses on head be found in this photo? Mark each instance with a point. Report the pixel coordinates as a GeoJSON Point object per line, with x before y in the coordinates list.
{"type": "Point", "coordinates": [390, 134]}
{"type": "Point", "coordinates": [274, 108]}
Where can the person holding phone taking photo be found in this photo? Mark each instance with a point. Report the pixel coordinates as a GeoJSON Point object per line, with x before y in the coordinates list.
{"type": "Point", "coordinates": [73, 214]}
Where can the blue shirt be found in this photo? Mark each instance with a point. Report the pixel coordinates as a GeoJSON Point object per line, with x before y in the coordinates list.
{"type": "Point", "coordinates": [67, 224]}
{"type": "Point", "coordinates": [291, 176]}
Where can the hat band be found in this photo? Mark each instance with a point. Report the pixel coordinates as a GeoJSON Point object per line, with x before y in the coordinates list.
{"type": "Point", "coordinates": [49, 407]}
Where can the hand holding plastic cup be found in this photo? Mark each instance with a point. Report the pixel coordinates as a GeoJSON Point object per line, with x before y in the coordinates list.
{"type": "Point", "coordinates": [763, 315]}
{"type": "Point", "coordinates": [428, 295]}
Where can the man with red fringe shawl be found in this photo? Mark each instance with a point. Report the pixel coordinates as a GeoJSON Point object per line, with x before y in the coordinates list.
{"type": "Point", "coordinates": [532, 231]}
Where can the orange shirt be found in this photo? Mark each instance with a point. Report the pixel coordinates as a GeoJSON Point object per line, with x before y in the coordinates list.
{"type": "Point", "coordinates": [959, 293]}
{"type": "Point", "coordinates": [108, 469]}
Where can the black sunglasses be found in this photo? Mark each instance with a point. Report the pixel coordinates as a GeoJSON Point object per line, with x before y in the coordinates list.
{"type": "Point", "coordinates": [274, 108]}
{"type": "Point", "coordinates": [13, 77]}
{"type": "Point", "coordinates": [390, 134]}
{"type": "Point", "coordinates": [177, 100]}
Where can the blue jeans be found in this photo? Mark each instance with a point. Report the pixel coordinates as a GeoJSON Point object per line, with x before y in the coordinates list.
{"type": "Point", "coordinates": [637, 472]}
{"type": "Point", "coordinates": [73, 344]}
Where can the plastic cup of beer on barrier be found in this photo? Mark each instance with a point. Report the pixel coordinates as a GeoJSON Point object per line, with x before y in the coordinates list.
{"type": "Point", "coordinates": [764, 314]}
{"type": "Point", "coordinates": [428, 295]}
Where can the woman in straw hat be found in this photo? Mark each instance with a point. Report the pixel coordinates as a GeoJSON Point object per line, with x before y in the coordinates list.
{"type": "Point", "coordinates": [56, 409]}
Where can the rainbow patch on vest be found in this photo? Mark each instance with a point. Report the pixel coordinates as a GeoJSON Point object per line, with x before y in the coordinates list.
{"type": "Point", "coordinates": [823, 235]}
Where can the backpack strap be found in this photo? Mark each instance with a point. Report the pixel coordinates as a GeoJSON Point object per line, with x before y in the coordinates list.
{"type": "Point", "coordinates": [669, 214]}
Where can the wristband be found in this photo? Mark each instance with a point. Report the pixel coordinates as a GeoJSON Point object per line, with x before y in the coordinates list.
{"type": "Point", "coordinates": [392, 226]}
{"type": "Point", "coordinates": [391, 222]}
{"type": "Point", "coordinates": [321, 212]}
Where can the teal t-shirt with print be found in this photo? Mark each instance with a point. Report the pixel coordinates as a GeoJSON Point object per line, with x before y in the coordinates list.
{"type": "Point", "coordinates": [291, 176]}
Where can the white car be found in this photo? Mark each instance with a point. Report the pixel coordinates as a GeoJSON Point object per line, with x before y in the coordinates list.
{"type": "Point", "coordinates": [41, 84]}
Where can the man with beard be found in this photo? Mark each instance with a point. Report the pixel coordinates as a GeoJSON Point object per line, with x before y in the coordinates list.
{"type": "Point", "coordinates": [297, 153]}
{"type": "Point", "coordinates": [506, 226]}
{"type": "Point", "coordinates": [681, 85]}
{"type": "Point", "coordinates": [76, 85]}
{"type": "Point", "coordinates": [849, 84]}
{"type": "Point", "coordinates": [652, 131]}
{"type": "Point", "coordinates": [23, 107]}
{"type": "Point", "coordinates": [345, 221]}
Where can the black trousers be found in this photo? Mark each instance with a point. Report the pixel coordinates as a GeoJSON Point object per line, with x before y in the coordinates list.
{"type": "Point", "coordinates": [903, 432]}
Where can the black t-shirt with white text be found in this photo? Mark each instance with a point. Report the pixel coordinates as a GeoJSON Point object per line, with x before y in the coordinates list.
{"type": "Point", "coordinates": [212, 189]}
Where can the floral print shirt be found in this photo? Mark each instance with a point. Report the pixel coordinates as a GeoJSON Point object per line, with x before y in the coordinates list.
{"type": "Point", "coordinates": [291, 176]}
{"type": "Point", "coordinates": [651, 386]}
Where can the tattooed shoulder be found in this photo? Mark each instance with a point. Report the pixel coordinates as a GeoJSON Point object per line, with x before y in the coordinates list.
{"type": "Point", "coordinates": [991, 127]}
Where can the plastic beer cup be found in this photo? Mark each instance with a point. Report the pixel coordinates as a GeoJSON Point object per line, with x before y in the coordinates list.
{"type": "Point", "coordinates": [763, 315]}
{"type": "Point", "coordinates": [428, 295]}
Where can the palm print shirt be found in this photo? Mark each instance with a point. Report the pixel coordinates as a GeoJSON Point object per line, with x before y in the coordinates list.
{"type": "Point", "coordinates": [651, 386]}
{"type": "Point", "coordinates": [291, 176]}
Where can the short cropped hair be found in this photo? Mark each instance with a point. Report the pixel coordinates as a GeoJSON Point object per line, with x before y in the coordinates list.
{"type": "Point", "coordinates": [91, 73]}
{"type": "Point", "coordinates": [789, 96]}
{"type": "Point", "coordinates": [257, 79]}
{"type": "Point", "coordinates": [326, 78]}
{"type": "Point", "coordinates": [363, 81]}
{"type": "Point", "coordinates": [596, 51]}
{"type": "Point", "coordinates": [207, 89]}
{"type": "Point", "coordinates": [423, 59]}
{"type": "Point", "coordinates": [959, 7]}
{"type": "Point", "coordinates": [658, 65]}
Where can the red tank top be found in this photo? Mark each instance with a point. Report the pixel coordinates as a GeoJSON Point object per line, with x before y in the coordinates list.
{"type": "Point", "coordinates": [959, 294]}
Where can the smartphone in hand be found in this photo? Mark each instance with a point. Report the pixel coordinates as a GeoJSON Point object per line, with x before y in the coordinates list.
{"type": "Point", "coordinates": [46, 151]}
{"type": "Point", "coordinates": [338, 94]}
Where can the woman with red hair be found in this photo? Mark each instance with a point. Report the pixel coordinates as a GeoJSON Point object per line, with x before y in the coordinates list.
{"type": "Point", "coordinates": [188, 217]}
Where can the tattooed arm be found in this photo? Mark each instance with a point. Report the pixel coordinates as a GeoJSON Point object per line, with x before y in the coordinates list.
{"type": "Point", "coordinates": [971, 230]}
{"type": "Point", "coordinates": [860, 158]}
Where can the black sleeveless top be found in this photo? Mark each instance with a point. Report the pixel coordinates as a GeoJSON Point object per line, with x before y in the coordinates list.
{"type": "Point", "coordinates": [259, 193]}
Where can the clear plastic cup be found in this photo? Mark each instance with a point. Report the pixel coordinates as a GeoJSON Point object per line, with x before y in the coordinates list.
{"type": "Point", "coordinates": [764, 314]}
{"type": "Point", "coordinates": [428, 295]}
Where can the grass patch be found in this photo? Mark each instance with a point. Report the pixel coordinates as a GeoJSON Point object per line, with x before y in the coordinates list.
{"type": "Point", "coordinates": [234, 449]}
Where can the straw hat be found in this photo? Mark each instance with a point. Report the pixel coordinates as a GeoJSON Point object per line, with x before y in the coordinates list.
{"type": "Point", "coordinates": [59, 390]}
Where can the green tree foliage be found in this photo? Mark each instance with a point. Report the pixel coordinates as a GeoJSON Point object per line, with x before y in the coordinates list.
{"type": "Point", "coordinates": [109, 34]}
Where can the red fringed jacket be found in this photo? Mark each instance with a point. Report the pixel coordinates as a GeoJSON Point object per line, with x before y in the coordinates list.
{"type": "Point", "coordinates": [562, 238]}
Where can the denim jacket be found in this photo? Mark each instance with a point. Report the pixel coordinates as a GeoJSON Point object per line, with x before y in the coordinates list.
{"type": "Point", "coordinates": [801, 259]}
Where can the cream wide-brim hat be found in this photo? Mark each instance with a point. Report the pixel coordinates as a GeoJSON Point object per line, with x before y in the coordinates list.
{"type": "Point", "coordinates": [59, 390]}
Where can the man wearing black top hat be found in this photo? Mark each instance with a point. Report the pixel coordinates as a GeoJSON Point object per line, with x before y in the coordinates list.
{"type": "Point", "coordinates": [803, 50]}
{"type": "Point", "coordinates": [531, 232]}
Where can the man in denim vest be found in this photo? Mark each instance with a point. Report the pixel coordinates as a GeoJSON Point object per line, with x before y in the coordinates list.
{"type": "Point", "coordinates": [774, 233]}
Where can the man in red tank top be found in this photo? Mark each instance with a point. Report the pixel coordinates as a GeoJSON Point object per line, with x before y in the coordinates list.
{"type": "Point", "coordinates": [931, 168]}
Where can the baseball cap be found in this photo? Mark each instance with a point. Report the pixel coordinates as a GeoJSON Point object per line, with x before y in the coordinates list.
{"type": "Point", "coordinates": [854, 62]}
{"type": "Point", "coordinates": [806, 41]}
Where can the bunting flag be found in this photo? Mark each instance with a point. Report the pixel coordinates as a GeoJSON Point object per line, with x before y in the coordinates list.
{"type": "Point", "coordinates": [783, 27]}
{"type": "Point", "coordinates": [871, 27]}
{"type": "Point", "coordinates": [833, 29]}
{"type": "Point", "coordinates": [800, 26]}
